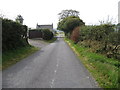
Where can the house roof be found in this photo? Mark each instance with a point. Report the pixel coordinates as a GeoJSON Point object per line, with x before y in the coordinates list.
{"type": "Point", "coordinates": [48, 26]}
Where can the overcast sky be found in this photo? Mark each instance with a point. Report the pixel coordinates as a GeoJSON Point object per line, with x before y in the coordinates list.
{"type": "Point", "coordinates": [46, 11]}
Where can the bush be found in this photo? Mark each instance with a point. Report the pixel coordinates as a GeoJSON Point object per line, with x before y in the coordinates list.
{"type": "Point", "coordinates": [14, 35]}
{"type": "Point", "coordinates": [47, 34]}
{"type": "Point", "coordinates": [105, 37]}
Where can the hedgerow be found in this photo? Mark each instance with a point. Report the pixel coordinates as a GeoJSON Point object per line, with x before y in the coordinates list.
{"type": "Point", "coordinates": [102, 38]}
{"type": "Point", "coordinates": [14, 35]}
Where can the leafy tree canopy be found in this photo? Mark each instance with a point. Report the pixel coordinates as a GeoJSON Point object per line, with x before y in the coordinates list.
{"type": "Point", "coordinates": [66, 13]}
{"type": "Point", "coordinates": [19, 19]}
{"type": "Point", "coordinates": [69, 23]}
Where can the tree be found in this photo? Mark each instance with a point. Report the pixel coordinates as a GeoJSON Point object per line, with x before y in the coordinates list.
{"type": "Point", "coordinates": [19, 19]}
{"type": "Point", "coordinates": [1, 15]}
{"type": "Point", "coordinates": [69, 23]}
{"type": "Point", "coordinates": [109, 21]}
{"type": "Point", "coordinates": [66, 13]}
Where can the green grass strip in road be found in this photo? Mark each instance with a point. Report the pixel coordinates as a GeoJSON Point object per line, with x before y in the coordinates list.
{"type": "Point", "coordinates": [13, 56]}
{"type": "Point", "coordinates": [104, 70]}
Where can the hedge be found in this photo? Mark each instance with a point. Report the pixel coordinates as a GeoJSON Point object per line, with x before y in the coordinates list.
{"type": "Point", "coordinates": [14, 35]}
{"type": "Point", "coordinates": [47, 34]}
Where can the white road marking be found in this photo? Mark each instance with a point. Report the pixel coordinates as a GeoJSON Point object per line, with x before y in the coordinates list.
{"type": "Point", "coordinates": [87, 77]}
{"type": "Point", "coordinates": [52, 83]}
{"type": "Point", "coordinates": [55, 71]}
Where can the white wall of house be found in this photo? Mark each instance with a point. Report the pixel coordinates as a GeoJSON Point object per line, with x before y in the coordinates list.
{"type": "Point", "coordinates": [45, 27]}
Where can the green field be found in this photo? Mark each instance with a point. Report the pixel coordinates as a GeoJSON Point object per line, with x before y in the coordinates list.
{"type": "Point", "coordinates": [104, 70]}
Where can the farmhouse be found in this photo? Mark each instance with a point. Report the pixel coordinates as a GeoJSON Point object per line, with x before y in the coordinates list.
{"type": "Point", "coordinates": [49, 26]}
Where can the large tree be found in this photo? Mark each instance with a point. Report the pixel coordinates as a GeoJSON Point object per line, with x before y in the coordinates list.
{"type": "Point", "coordinates": [66, 13]}
{"type": "Point", "coordinates": [19, 19]}
{"type": "Point", "coordinates": [69, 23]}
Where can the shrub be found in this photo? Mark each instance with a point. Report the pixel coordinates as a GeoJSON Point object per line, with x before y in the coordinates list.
{"type": "Point", "coordinates": [106, 38]}
{"type": "Point", "coordinates": [47, 34]}
{"type": "Point", "coordinates": [14, 35]}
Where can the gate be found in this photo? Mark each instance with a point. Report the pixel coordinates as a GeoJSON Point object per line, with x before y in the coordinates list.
{"type": "Point", "coordinates": [35, 34]}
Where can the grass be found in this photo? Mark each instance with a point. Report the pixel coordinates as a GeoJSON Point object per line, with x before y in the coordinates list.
{"type": "Point", "coordinates": [13, 56]}
{"type": "Point", "coordinates": [50, 41]}
{"type": "Point", "coordinates": [103, 69]}
{"type": "Point", "coordinates": [0, 61]}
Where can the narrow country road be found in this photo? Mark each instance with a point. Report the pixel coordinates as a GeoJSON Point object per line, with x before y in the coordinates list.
{"type": "Point", "coordinates": [54, 66]}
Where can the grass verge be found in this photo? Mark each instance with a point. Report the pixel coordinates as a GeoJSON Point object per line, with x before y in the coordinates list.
{"type": "Point", "coordinates": [13, 56]}
{"type": "Point", "coordinates": [103, 69]}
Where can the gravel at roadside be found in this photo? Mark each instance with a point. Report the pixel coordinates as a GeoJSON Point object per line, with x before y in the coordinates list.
{"type": "Point", "coordinates": [37, 42]}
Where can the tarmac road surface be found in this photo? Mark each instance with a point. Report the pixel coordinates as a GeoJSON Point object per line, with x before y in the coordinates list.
{"type": "Point", "coordinates": [54, 66]}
